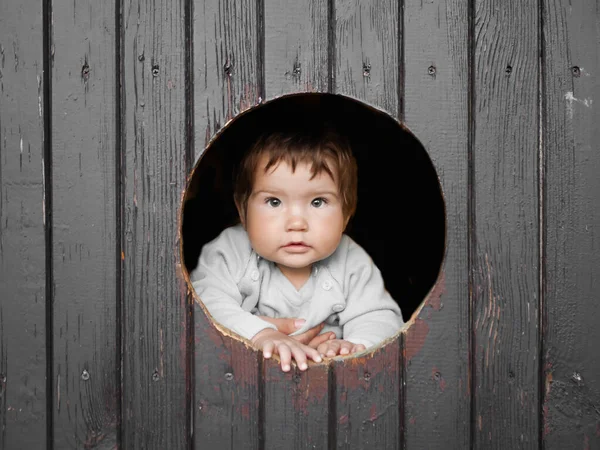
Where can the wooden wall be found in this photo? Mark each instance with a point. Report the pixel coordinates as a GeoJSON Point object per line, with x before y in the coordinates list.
{"type": "Point", "coordinates": [106, 105]}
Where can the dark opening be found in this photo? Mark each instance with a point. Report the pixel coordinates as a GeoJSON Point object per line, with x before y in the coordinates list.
{"type": "Point", "coordinates": [400, 217]}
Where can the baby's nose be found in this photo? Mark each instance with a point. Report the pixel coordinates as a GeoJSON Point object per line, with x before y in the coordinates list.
{"type": "Point", "coordinates": [297, 222]}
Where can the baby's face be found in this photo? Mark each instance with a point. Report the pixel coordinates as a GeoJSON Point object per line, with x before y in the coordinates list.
{"type": "Point", "coordinates": [294, 220]}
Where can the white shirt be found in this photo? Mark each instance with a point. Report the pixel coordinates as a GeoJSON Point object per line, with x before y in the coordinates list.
{"type": "Point", "coordinates": [345, 290]}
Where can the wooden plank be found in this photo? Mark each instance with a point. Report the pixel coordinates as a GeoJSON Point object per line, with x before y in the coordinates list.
{"type": "Point", "coordinates": [505, 221]}
{"type": "Point", "coordinates": [23, 415]}
{"type": "Point", "coordinates": [571, 153]}
{"type": "Point", "coordinates": [296, 404]}
{"type": "Point", "coordinates": [296, 47]}
{"type": "Point", "coordinates": [436, 75]}
{"type": "Point", "coordinates": [367, 412]}
{"type": "Point", "coordinates": [228, 387]}
{"type": "Point", "coordinates": [296, 413]}
{"type": "Point", "coordinates": [366, 52]}
{"type": "Point", "coordinates": [228, 66]}
{"type": "Point", "coordinates": [227, 81]}
{"type": "Point", "coordinates": [368, 400]}
{"type": "Point", "coordinates": [155, 337]}
{"type": "Point", "coordinates": [86, 383]}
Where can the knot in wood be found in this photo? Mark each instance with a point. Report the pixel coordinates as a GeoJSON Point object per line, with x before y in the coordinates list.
{"type": "Point", "coordinates": [296, 378]}
{"type": "Point", "coordinates": [85, 72]}
{"type": "Point", "coordinates": [228, 69]}
{"type": "Point", "coordinates": [508, 70]}
{"type": "Point", "coordinates": [155, 70]}
{"type": "Point", "coordinates": [85, 375]}
{"type": "Point", "coordinates": [577, 378]}
{"type": "Point", "coordinates": [366, 70]}
{"type": "Point", "coordinates": [576, 71]}
{"type": "Point", "coordinates": [155, 376]}
{"type": "Point", "coordinates": [431, 70]}
{"type": "Point", "coordinates": [229, 376]}
{"type": "Point", "coordinates": [367, 376]}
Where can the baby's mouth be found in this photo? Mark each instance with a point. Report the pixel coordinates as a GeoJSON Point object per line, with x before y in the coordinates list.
{"type": "Point", "coordinates": [300, 246]}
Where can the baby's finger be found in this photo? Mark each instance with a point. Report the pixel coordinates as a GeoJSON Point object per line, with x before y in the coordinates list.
{"type": "Point", "coordinates": [322, 348]}
{"type": "Point", "coordinates": [334, 348]}
{"type": "Point", "coordinates": [313, 354]}
{"type": "Point", "coordinates": [358, 348]}
{"type": "Point", "coordinates": [300, 358]}
{"type": "Point", "coordinates": [268, 348]}
{"type": "Point", "coordinates": [285, 355]}
{"type": "Point", "coordinates": [346, 348]}
{"type": "Point", "coordinates": [329, 348]}
{"type": "Point", "coordinates": [318, 340]}
{"type": "Point", "coordinates": [325, 347]}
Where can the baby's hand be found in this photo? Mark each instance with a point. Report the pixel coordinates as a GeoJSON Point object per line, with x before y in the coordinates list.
{"type": "Point", "coordinates": [273, 341]}
{"type": "Point", "coordinates": [339, 347]}
{"type": "Point", "coordinates": [310, 337]}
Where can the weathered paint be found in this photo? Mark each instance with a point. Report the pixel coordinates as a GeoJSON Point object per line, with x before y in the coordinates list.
{"type": "Point", "coordinates": [416, 334]}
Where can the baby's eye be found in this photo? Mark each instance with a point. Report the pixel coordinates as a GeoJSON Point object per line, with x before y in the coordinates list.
{"type": "Point", "coordinates": [318, 202]}
{"type": "Point", "coordinates": [273, 202]}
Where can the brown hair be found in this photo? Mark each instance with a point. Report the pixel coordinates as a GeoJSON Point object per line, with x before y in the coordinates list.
{"type": "Point", "coordinates": [320, 148]}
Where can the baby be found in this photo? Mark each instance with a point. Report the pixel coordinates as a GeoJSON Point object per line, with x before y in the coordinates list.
{"type": "Point", "coordinates": [289, 258]}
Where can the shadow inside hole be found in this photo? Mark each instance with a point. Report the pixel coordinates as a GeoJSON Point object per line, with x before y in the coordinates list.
{"type": "Point", "coordinates": [400, 217]}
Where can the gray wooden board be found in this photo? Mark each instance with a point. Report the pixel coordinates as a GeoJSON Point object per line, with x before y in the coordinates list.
{"type": "Point", "coordinates": [155, 369]}
{"type": "Point", "coordinates": [84, 252]}
{"type": "Point", "coordinates": [227, 81]}
{"type": "Point", "coordinates": [227, 63]}
{"type": "Point", "coordinates": [366, 51]}
{"type": "Point", "coordinates": [368, 401]}
{"type": "Point", "coordinates": [436, 83]}
{"type": "Point", "coordinates": [571, 155]}
{"type": "Point", "coordinates": [296, 404]}
{"type": "Point", "coordinates": [228, 384]}
{"type": "Point", "coordinates": [23, 415]}
{"type": "Point", "coordinates": [505, 220]}
{"type": "Point", "coordinates": [296, 407]}
{"type": "Point", "coordinates": [296, 47]}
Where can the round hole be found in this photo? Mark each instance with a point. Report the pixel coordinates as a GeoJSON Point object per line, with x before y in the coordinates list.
{"type": "Point", "coordinates": [400, 217]}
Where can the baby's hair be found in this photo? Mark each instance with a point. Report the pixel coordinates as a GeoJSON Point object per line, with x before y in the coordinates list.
{"type": "Point", "coordinates": [321, 148]}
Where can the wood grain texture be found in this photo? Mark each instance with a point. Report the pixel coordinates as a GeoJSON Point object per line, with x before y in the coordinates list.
{"type": "Point", "coordinates": [86, 389]}
{"type": "Point", "coordinates": [228, 381]}
{"type": "Point", "coordinates": [296, 404]}
{"type": "Point", "coordinates": [366, 52]}
{"type": "Point", "coordinates": [366, 68]}
{"type": "Point", "coordinates": [571, 390]}
{"type": "Point", "coordinates": [368, 401]}
{"type": "Point", "coordinates": [227, 81]}
{"type": "Point", "coordinates": [296, 407]}
{"type": "Point", "coordinates": [22, 243]}
{"type": "Point", "coordinates": [505, 226]}
{"type": "Point", "coordinates": [296, 47]}
{"type": "Point", "coordinates": [228, 66]}
{"type": "Point", "coordinates": [155, 307]}
{"type": "Point", "coordinates": [436, 83]}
